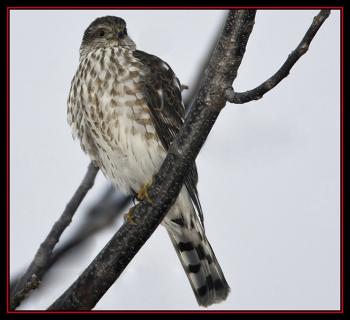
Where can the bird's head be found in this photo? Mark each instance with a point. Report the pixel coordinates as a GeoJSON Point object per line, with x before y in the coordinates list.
{"type": "Point", "coordinates": [106, 31]}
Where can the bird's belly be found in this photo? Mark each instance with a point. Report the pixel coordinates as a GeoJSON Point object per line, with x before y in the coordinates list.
{"type": "Point", "coordinates": [130, 157]}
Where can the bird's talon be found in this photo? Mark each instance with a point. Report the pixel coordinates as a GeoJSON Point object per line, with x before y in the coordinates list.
{"type": "Point", "coordinates": [143, 193]}
{"type": "Point", "coordinates": [129, 217]}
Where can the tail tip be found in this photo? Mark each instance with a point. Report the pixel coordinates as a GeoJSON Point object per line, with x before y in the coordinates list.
{"type": "Point", "coordinates": [218, 295]}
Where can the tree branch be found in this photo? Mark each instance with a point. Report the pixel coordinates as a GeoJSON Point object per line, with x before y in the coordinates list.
{"type": "Point", "coordinates": [21, 294]}
{"type": "Point", "coordinates": [31, 278]}
{"type": "Point", "coordinates": [100, 216]}
{"type": "Point", "coordinates": [92, 284]}
{"type": "Point", "coordinates": [302, 48]}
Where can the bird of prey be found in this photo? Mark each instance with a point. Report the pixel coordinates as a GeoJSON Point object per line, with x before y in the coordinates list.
{"type": "Point", "coordinates": [125, 107]}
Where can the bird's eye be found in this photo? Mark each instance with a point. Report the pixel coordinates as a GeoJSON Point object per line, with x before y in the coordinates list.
{"type": "Point", "coordinates": [125, 32]}
{"type": "Point", "coordinates": [101, 33]}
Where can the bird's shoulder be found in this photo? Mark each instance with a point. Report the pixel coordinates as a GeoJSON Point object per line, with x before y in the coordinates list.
{"type": "Point", "coordinates": [162, 92]}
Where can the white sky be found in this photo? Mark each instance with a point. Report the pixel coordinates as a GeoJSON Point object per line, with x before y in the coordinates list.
{"type": "Point", "coordinates": [268, 173]}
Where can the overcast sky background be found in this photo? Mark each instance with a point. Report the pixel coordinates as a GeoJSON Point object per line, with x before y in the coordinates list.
{"type": "Point", "coordinates": [268, 173]}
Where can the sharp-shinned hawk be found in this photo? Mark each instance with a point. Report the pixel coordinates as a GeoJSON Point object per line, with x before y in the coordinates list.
{"type": "Point", "coordinates": [125, 107]}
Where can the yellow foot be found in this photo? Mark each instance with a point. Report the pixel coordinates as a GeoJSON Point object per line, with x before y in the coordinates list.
{"type": "Point", "coordinates": [129, 217]}
{"type": "Point", "coordinates": [143, 192]}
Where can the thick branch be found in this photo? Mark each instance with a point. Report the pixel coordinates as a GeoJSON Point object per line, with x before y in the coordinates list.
{"type": "Point", "coordinates": [302, 48]}
{"type": "Point", "coordinates": [92, 284]}
{"type": "Point", "coordinates": [36, 269]}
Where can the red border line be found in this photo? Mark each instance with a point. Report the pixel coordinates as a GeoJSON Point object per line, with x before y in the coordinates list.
{"type": "Point", "coordinates": [341, 8]}
{"type": "Point", "coordinates": [342, 161]}
{"type": "Point", "coordinates": [170, 7]}
{"type": "Point", "coordinates": [185, 311]}
{"type": "Point", "coordinates": [7, 155]}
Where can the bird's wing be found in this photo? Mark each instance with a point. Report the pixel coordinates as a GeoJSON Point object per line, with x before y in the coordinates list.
{"type": "Point", "coordinates": [163, 96]}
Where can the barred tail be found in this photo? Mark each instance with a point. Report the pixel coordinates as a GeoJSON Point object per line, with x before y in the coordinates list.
{"type": "Point", "coordinates": [201, 266]}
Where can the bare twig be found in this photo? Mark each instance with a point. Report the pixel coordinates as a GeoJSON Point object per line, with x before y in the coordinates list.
{"type": "Point", "coordinates": [101, 215]}
{"type": "Point", "coordinates": [302, 48]}
{"type": "Point", "coordinates": [20, 295]}
{"type": "Point", "coordinates": [92, 284]}
{"type": "Point", "coordinates": [183, 87]}
{"type": "Point", "coordinates": [43, 255]}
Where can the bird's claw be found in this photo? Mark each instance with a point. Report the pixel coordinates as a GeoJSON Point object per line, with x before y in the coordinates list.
{"type": "Point", "coordinates": [129, 216]}
{"type": "Point", "coordinates": [143, 193]}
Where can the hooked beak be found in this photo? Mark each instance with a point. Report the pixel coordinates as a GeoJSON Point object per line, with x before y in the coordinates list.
{"type": "Point", "coordinates": [120, 35]}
